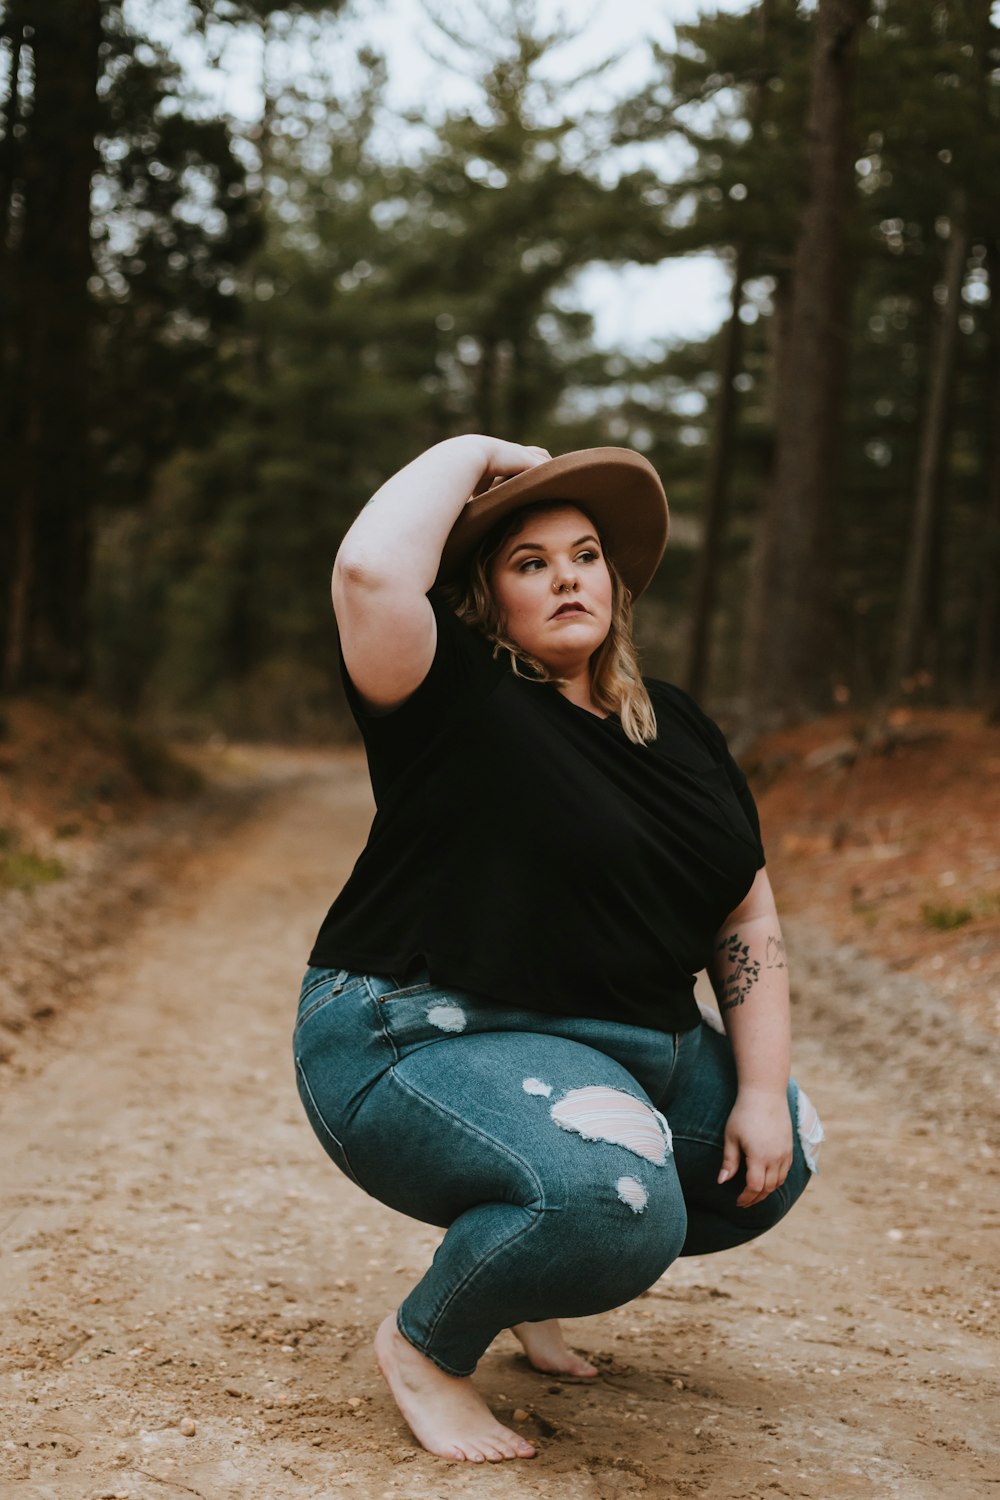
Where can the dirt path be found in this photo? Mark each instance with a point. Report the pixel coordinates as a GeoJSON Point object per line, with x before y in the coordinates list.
{"type": "Point", "coordinates": [178, 1251]}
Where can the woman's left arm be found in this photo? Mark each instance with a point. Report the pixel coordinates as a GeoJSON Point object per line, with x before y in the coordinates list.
{"type": "Point", "coordinates": [749, 973]}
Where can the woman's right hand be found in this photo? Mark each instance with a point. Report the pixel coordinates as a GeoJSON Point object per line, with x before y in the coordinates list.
{"type": "Point", "coordinates": [506, 459]}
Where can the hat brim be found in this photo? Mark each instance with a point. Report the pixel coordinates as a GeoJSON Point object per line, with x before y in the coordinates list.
{"type": "Point", "coordinates": [618, 487]}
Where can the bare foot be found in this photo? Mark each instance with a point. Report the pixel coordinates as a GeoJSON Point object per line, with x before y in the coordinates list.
{"type": "Point", "coordinates": [445, 1413]}
{"type": "Point", "coordinates": [546, 1349]}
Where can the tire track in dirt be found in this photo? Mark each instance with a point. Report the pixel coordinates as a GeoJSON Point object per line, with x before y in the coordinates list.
{"type": "Point", "coordinates": [178, 1251]}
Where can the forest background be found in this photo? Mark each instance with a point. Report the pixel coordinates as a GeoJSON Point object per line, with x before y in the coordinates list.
{"type": "Point", "coordinates": [218, 339]}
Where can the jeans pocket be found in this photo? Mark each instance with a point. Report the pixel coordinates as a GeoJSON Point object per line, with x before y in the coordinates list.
{"type": "Point", "coordinates": [320, 986]}
{"type": "Point", "coordinates": [331, 1144]}
{"type": "Point", "coordinates": [385, 989]}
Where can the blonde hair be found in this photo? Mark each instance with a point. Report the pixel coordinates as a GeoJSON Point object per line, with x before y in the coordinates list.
{"type": "Point", "coordinates": [616, 682]}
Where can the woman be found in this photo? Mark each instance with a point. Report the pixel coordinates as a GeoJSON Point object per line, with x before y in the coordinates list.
{"type": "Point", "coordinates": [497, 1031]}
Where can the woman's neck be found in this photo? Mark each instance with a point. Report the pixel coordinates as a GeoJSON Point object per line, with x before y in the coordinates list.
{"type": "Point", "coordinates": [578, 689]}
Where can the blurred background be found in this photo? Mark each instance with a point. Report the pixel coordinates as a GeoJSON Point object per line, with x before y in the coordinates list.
{"type": "Point", "coordinates": [255, 257]}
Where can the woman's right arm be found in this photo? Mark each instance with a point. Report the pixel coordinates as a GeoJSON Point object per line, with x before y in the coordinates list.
{"type": "Point", "coordinates": [389, 559]}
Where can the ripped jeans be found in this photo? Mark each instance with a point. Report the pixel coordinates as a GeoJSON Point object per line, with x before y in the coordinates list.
{"type": "Point", "coordinates": [570, 1160]}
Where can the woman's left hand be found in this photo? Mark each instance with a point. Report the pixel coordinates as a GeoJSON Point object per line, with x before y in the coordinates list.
{"type": "Point", "coordinates": [759, 1130]}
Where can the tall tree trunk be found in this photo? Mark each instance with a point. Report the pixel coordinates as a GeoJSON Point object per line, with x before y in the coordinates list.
{"type": "Point", "coordinates": [987, 657]}
{"type": "Point", "coordinates": [789, 630]}
{"type": "Point", "coordinates": [258, 347]}
{"type": "Point", "coordinates": [15, 517]}
{"type": "Point", "coordinates": [720, 464]}
{"type": "Point", "coordinates": [46, 636]}
{"type": "Point", "coordinates": [914, 647]}
{"type": "Point", "coordinates": [717, 488]}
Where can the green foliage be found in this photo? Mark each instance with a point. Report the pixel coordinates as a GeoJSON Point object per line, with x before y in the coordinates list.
{"type": "Point", "coordinates": [947, 917]}
{"type": "Point", "coordinates": [243, 12]}
{"type": "Point", "coordinates": [389, 305]}
{"type": "Point", "coordinates": [174, 224]}
{"type": "Point", "coordinates": [283, 319]}
{"type": "Point", "coordinates": [928, 101]}
{"type": "Point", "coordinates": [23, 869]}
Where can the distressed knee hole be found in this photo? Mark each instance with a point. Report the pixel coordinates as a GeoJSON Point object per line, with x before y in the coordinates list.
{"type": "Point", "coordinates": [810, 1129]}
{"type": "Point", "coordinates": [631, 1191]}
{"type": "Point", "coordinates": [536, 1086]}
{"type": "Point", "coordinates": [599, 1113]}
{"type": "Point", "coordinates": [446, 1017]}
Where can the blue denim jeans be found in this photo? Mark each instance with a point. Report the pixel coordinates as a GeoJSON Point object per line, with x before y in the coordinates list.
{"type": "Point", "coordinates": [570, 1160]}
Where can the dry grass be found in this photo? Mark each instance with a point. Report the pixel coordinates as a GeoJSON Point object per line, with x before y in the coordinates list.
{"type": "Point", "coordinates": [898, 850]}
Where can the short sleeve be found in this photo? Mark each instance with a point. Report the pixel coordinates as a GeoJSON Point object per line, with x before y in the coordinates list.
{"type": "Point", "coordinates": [714, 738]}
{"type": "Point", "coordinates": [739, 784]}
{"type": "Point", "coordinates": [462, 669]}
{"type": "Point", "coordinates": [737, 777]}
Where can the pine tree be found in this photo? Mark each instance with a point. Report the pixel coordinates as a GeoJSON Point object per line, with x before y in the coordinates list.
{"type": "Point", "coordinates": [735, 93]}
{"type": "Point", "coordinates": [49, 160]}
{"type": "Point", "coordinates": [790, 603]}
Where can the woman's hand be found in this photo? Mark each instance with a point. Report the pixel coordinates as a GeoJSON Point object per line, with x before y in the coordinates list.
{"type": "Point", "coordinates": [504, 459]}
{"type": "Point", "coordinates": [759, 1130]}
{"type": "Point", "coordinates": [750, 976]}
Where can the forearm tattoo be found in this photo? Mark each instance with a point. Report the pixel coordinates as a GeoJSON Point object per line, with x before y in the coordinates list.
{"type": "Point", "coordinates": [775, 956]}
{"type": "Point", "coordinates": [740, 971]}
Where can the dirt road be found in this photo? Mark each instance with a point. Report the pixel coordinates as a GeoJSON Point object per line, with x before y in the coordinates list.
{"type": "Point", "coordinates": [190, 1288]}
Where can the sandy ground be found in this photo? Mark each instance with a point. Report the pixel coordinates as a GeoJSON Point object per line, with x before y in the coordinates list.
{"type": "Point", "coordinates": [190, 1288]}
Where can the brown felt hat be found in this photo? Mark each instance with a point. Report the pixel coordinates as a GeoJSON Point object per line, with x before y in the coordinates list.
{"type": "Point", "coordinates": [618, 487]}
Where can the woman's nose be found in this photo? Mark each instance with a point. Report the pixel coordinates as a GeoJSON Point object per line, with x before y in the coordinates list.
{"type": "Point", "coordinates": [565, 579]}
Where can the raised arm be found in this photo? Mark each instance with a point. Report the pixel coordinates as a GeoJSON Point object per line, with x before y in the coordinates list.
{"type": "Point", "coordinates": [749, 973]}
{"type": "Point", "coordinates": [390, 557]}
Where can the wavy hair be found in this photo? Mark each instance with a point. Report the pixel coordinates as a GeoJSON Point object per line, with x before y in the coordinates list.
{"type": "Point", "coordinates": [616, 682]}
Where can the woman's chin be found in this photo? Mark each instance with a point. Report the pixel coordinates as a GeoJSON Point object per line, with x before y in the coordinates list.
{"type": "Point", "coordinates": [570, 663]}
{"type": "Point", "coordinates": [574, 643]}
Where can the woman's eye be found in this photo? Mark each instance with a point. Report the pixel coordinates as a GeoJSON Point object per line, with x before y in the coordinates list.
{"type": "Point", "coordinates": [587, 556]}
{"type": "Point", "coordinates": [531, 565]}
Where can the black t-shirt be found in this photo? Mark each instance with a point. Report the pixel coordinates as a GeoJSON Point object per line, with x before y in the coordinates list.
{"type": "Point", "coordinates": [526, 850]}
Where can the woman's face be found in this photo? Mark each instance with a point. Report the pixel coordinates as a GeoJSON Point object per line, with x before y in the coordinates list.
{"type": "Point", "coordinates": [553, 588]}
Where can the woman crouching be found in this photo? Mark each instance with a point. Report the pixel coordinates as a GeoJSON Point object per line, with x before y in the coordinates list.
{"type": "Point", "coordinates": [497, 1032]}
